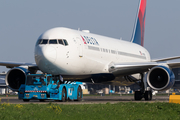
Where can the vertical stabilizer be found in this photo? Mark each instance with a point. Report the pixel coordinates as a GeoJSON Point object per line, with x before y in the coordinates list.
{"type": "Point", "coordinates": [138, 32]}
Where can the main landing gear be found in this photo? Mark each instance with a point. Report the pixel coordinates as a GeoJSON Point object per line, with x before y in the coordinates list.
{"type": "Point", "coordinates": [147, 95]}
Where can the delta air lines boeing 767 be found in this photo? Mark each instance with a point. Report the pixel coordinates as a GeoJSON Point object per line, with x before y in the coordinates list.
{"type": "Point", "coordinates": [86, 57]}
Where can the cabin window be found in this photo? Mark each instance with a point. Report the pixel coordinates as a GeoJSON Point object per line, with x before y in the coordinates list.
{"type": "Point", "coordinates": [113, 51]}
{"type": "Point", "coordinates": [53, 41]}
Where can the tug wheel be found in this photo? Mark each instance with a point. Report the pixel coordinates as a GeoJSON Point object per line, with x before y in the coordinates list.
{"type": "Point", "coordinates": [41, 100]}
{"type": "Point", "coordinates": [79, 94]}
{"type": "Point", "coordinates": [64, 95]}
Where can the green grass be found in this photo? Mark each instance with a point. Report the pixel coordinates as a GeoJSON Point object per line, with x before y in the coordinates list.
{"type": "Point", "coordinates": [118, 111]}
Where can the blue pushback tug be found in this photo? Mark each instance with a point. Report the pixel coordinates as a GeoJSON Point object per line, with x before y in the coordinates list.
{"type": "Point", "coordinates": [45, 86]}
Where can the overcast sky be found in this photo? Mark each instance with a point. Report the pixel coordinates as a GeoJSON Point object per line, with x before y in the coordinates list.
{"type": "Point", "coordinates": [23, 21]}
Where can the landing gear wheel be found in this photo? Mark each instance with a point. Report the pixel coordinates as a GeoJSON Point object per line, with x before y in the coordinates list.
{"type": "Point", "coordinates": [138, 95]}
{"type": "Point", "coordinates": [26, 100]}
{"type": "Point", "coordinates": [64, 95]}
{"type": "Point", "coordinates": [79, 94]}
{"type": "Point", "coordinates": [148, 95]}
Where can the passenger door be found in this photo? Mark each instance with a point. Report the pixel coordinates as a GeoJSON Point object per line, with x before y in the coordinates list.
{"type": "Point", "coordinates": [80, 46]}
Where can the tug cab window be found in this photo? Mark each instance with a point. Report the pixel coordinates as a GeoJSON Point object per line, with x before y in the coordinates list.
{"type": "Point", "coordinates": [53, 41]}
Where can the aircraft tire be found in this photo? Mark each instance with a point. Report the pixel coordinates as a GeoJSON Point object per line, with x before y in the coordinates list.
{"type": "Point", "coordinates": [148, 95]}
{"type": "Point", "coordinates": [64, 95]}
{"type": "Point", "coordinates": [138, 95]}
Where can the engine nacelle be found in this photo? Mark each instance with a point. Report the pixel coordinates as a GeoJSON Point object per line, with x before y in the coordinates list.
{"type": "Point", "coordinates": [15, 77]}
{"type": "Point", "coordinates": [160, 78]}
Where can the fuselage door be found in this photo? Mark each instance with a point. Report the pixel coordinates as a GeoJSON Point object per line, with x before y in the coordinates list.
{"type": "Point", "coordinates": [80, 46]}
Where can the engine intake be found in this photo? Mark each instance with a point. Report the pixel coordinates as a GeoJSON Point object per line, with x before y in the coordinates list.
{"type": "Point", "coordinates": [15, 77]}
{"type": "Point", "coordinates": [160, 78]}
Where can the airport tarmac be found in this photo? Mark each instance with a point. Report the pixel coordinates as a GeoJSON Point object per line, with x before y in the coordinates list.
{"type": "Point", "coordinates": [88, 100]}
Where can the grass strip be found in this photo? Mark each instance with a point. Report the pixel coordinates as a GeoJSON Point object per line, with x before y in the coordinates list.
{"type": "Point", "coordinates": [121, 110]}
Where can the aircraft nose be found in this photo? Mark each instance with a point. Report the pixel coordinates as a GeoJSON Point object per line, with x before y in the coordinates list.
{"type": "Point", "coordinates": [49, 53]}
{"type": "Point", "coordinates": [45, 57]}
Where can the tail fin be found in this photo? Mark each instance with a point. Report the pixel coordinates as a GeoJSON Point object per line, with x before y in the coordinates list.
{"type": "Point", "coordinates": [139, 28]}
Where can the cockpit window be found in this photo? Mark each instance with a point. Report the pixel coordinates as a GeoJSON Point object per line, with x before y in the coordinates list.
{"type": "Point", "coordinates": [65, 42]}
{"type": "Point", "coordinates": [39, 41]}
{"type": "Point", "coordinates": [53, 41]}
{"type": "Point", "coordinates": [43, 41]}
{"type": "Point", "coordinates": [60, 41]}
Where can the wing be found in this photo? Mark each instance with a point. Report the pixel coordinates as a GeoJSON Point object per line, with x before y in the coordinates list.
{"type": "Point", "coordinates": [17, 64]}
{"type": "Point", "coordinates": [130, 68]}
{"type": "Point", "coordinates": [166, 59]}
{"type": "Point", "coordinates": [119, 69]}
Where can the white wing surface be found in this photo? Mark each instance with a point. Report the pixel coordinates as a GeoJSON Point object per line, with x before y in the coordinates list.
{"type": "Point", "coordinates": [17, 64]}
{"type": "Point", "coordinates": [137, 67]}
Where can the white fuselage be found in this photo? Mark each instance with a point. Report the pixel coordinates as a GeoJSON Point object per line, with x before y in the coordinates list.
{"type": "Point", "coordinates": [85, 53]}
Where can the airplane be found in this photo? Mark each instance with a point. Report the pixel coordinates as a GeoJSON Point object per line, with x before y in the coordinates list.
{"type": "Point", "coordinates": [86, 57]}
{"type": "Point", "coordinates": [2, 80]}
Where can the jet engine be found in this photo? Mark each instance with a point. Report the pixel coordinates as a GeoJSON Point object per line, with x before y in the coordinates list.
{"type": "Point", "coordinates": [160, 78]}
{"type": "Point", "coordinates": [15, 77]}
